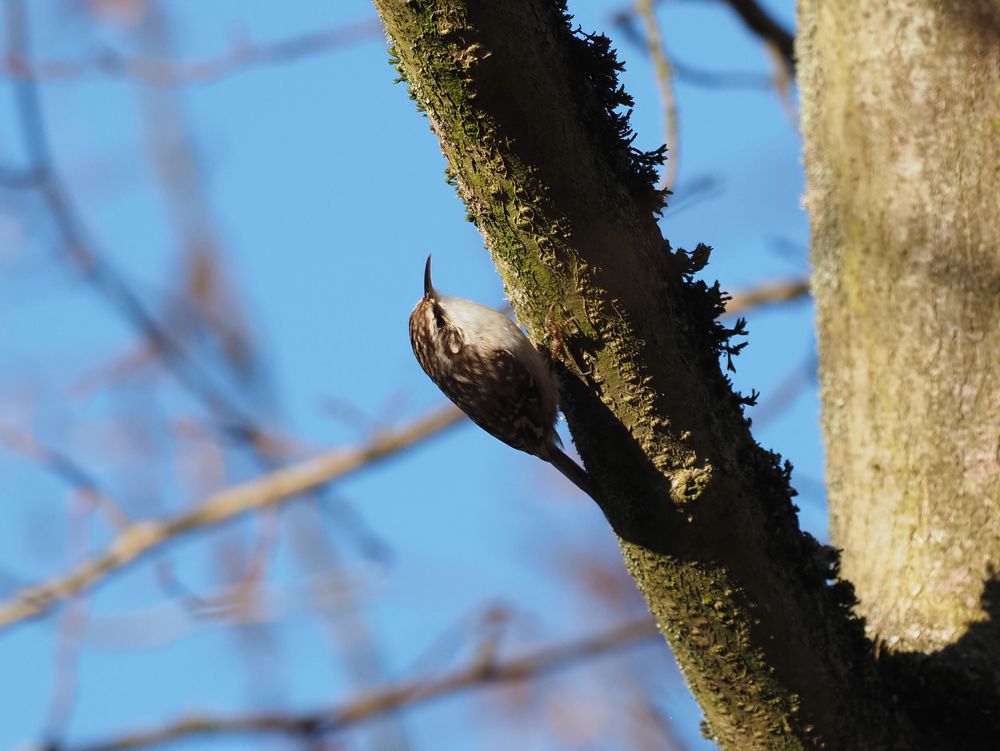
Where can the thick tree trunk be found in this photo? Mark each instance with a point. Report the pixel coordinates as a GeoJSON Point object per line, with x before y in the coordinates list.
{"type": "Point", "coordinates": [523, 109]}
{"type": "Point", "coordinates": [901, 117]}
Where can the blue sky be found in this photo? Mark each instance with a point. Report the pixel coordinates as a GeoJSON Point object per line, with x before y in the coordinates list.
{"type": "Point", "coordinates": [324, 191]}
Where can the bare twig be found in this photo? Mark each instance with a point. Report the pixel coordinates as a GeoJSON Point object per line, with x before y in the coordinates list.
{"type": "Point", "coordinates": [276, 487]}
{"type": "Point", "coordinates": [69, 635]}
{"type": "Point", "coordinates": [784, 84]}
{"type": "Point", "coordinates": [324, 593]}
{"type": "Point", "coordinates": [95, 269]}
{"type": "Point", "coordinates": [663, 76]}
{"type": "Point", "coordinates": [66, 469]}
{"type": "Point", "coordinates": [758, 20]}
{"type": "Point", "coordinates": [388, 699]}
{"type": "Point", "coordinates": [165, 72]}
{"type": "Point", "coordinates": [158, 342]}
{"type": "Point", "coordinates": [726, 79]}
{"type": "Point", "coordinates": [767, 28]}
{"type": "Point", "coordinates": [767, 294]}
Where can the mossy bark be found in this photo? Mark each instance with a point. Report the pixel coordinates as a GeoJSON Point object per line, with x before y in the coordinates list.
{"type": "Point", "coordinates": [901, 118]}
{"type": "Point", "coordinates": [522, 108]}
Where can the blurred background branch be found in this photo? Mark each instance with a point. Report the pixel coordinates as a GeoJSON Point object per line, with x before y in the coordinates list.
{"type": "Point", "coordinates": [390, 698]}
{"type": "Point", "coordinates": [140, 538]}
{"type": "Point", "coordinates": [243, 55]}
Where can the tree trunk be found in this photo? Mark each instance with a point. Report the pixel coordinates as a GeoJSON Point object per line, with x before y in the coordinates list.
{"type": "Point", "coordinates": [525, 110]}
{"type": "Point", "coordinates": [901, 118]}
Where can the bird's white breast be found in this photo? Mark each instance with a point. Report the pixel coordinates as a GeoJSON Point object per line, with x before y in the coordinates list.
{"type": "Point", "coordinates": [487, 328]}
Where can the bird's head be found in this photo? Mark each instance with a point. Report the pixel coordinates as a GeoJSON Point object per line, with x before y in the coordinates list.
{"type": "Point", "coordinates": [431, 332]}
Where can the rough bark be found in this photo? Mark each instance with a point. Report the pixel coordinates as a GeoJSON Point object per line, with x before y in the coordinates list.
{"type": "Point", "coordinates": [901, 117]}
{"type": "Point", "coordinates": [523, 108]}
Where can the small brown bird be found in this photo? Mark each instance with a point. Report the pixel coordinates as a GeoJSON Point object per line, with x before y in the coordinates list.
{"type": "Point", "coordinates": [486, 365]}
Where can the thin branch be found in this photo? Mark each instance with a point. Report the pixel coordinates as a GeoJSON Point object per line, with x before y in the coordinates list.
{"type": "Point", "coordinates": [268, 490]}
{"type": "Point", "coordinates": [726, 79]}
{"type": "Point", "coordinates": [390, 698]}
{"type": "Point", "coordinates": [66, 469]}
{"type": "Point", "coordinates": [767, 28]}
{"type": "Point", "coordinates": [663, 75]}
{"type": "Point", "coordinates": [69, 635]}
{"type": "Point", "coordinates": [235, 421]}
{"type": "Point", "coordinates": [767, 294]}
{"type": "Point", "coordinates": [101, 275]}
{"type": "Point", "coordinates": [692, 192]}
{"type": "Point", "coordinates": [96, 270]}
{"type": "Point", "coordinates": [324, 593]}
{"type": "Point", "coordinates": [165, 72]}
{"type": "Point", "coordinates": [756, 19]}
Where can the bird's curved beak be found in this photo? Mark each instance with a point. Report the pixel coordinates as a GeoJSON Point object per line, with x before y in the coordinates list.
{"type": "Point", "coordinates": [429, 292]}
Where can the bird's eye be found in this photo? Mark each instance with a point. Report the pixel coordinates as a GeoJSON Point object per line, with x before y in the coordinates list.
{"type": "Point", "coordinates": [439, 317]}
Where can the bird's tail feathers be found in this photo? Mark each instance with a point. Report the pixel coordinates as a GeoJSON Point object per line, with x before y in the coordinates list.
{"type": "Point", "coordinates": [570, 469]}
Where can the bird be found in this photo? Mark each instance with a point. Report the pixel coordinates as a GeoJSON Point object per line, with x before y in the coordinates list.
{"type": "Point", "coordinates": [488, 367]}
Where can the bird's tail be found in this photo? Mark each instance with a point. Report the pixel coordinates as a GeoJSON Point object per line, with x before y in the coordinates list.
{"type": "Point", "coordinates": [570, 469]}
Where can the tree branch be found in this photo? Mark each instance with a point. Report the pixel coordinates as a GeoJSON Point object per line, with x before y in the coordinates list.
{"type": "Point", "coordinates": [165, 72]}
{"type": "Point", "coordinates": [67, 470]}
{"type": "Point", "coordinates": [663, 75]}
{"type": "Point", "coordinates": [388, 699]}
{"type": "Point", "coordinates": [767, 294]}
{"type": "Point", "coordinates": [761, 23]}
{"type": "Point", "coordinates": [92, 266]}
{"type": "Point", "coordinates": [142, 538]}
{"type": "Point", "coordinates": [756, 19]}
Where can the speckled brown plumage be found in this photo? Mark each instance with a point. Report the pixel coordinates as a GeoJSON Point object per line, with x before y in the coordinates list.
{"type": "Point", "coordinates": [486, 365]}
